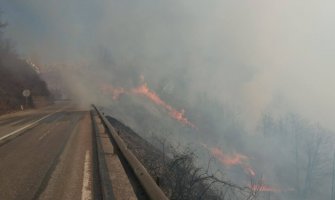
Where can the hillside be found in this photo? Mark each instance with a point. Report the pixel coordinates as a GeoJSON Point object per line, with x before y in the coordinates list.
{"type": "Point", "coordinates": [17, 75]}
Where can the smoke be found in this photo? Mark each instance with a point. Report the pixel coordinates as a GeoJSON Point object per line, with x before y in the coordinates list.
{"type": "Point", "coordinates": [240, 52]}
{"type": "Point", "coordinates": [221, 64]}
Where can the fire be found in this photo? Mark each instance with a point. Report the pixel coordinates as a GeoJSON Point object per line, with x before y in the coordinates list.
{"type": "Point", "coordinates": [33, 65]}
{"type": "Point", "coordinates": [236, 159]}
{"type": "Point", "coordinates": [231, 159]}
{"type": "Point", "coordinates": [115, 91]}
{"type": "Point", "coordinates": [144, 90]}
{"type": "Point", "coordinates": [151, 95]}
{"type": "Point", "coordinates": [264, 188]}
{"type": "Point", "coordinates": [226, 159]}
{"type": "Point", "coordinates": [249, 170]}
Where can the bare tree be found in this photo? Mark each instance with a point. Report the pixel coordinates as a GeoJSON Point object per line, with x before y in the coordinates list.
{"type": "Point", "coordinates": [181, 179]}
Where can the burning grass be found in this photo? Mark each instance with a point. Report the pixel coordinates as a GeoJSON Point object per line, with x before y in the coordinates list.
{"type": "Point", "coordinates": [178, 175]}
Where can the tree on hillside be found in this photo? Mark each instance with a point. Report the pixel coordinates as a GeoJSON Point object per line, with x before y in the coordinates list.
{"type": "Point", "coordinates": [310, 150]}
{"type": "Point", "coordinates": [177, 173]}
{"type": "Point", "coordinates": [15, 76]}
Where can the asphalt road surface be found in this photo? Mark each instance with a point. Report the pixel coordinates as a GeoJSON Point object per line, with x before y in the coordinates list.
{"type": "Point", "coordinates": [46, 154]}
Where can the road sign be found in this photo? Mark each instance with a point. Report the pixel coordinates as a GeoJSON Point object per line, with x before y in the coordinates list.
{"type": "Point", "coordinates": [26, 93]}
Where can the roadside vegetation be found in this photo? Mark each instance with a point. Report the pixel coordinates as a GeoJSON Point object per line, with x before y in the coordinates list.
{"type": "Point", "coordinates": [177, 173]}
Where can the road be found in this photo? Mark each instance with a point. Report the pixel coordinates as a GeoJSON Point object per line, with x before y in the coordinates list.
{"type": "Point", "coordinates": [46, 154]}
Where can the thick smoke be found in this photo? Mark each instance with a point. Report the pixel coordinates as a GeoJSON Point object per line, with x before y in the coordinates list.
{"type": "Point", "coordinates": [225, 62]}
{"type": "Point", "coordinates": [240, 52]}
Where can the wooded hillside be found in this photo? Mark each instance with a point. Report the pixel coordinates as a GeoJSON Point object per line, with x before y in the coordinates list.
{"type": "Point", "coordinates": [16, 75]}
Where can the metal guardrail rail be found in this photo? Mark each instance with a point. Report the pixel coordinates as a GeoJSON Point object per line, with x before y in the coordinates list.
{"type": "Point", "coordinates": [103, 187]}
{"type": "Point", "coordinates": [151, 188]}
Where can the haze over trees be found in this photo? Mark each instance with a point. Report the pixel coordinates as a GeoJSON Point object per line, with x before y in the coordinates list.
{"type": "Point", "coordinates": [304, 156]}
{"type": "Point", "coordinates": [224, 72]}
{"type": "Point", "coordinates": [16, 75]}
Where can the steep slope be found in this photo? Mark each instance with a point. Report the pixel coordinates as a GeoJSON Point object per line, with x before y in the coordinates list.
{"type": "Point", "coordinates": [15, 76]}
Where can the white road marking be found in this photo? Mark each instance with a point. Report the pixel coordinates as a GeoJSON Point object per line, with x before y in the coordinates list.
{"type": "Point", "coordinates": [29, 125]}
{"type": "Point", "coordinates": [46, 133]}
{"type": "Point", "coordinates": [16, 122]}
{"type": "Point", "coordinates": [49, 130]}
{"type": "Point", "coordinates": [85, 191]}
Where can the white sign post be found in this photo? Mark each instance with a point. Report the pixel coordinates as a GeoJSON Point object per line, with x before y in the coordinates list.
{"type": "Point", "coordinates": [26, 93]}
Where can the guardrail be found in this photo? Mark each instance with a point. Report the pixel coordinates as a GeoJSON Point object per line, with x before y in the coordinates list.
{"type": "Point", "coordinates": [151, 188]}
{"type": "Point", "coordinates": [102, 183]}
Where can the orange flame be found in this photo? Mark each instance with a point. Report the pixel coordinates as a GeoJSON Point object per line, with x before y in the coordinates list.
{"type": "Point", "coordinates": [264, 188]}
{"type": "Point", "coordinates": [144, 90]}
{"type": "Point", "coordinates": [242, 160]}
{"type": "Point", "coordinates": [232, 159]}
{"type": "Point", "coordinates": [151, 95]}
{"type": "Point", "coordinates": [115, 91]}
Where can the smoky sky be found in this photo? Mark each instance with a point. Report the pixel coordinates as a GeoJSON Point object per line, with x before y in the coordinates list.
{"type": "Point", "coordinates": [253, 55]}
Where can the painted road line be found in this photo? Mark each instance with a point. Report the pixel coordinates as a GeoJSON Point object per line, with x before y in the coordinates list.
{"type": "Point", "coordinates": [16, 122]}
{"type": "Point", "coordinates": [29, 125]}
{"type": "Point", "coordinates": [85, 191]}
{"type": "Point", "coordinates": [46, 133]}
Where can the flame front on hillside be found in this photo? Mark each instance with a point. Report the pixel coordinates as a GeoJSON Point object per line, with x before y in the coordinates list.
{"type": "Point", "coordinates": [229, 160]}
{"type": "Point", "coordinates": [145, 91]}
{"type": "Point", "coordinates": [115, 91]}
{"type": "Point", "coordinates": [151, 95]}
{"type": "Point", "coordinates": [237, 159]}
